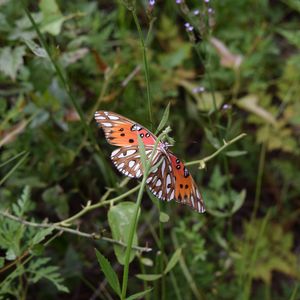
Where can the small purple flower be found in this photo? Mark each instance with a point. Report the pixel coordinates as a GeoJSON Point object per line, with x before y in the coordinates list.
{"type": "Point", "coordinates": [178, 1]}
{"type": "Point", "coordinates": [206, 1]}
{"type": "Point", "coordinates": [226, 106]}
{"type": "Point", "coordinates": [198, 89]}
{"type": "Point", "coordinates": [196, 12]}
{"type": "Point", "coordinates": [189, 27]}
{"type": "Point", "coordinates": [151, 2]}
{"type": "Point", "coordinates": [210, 10]}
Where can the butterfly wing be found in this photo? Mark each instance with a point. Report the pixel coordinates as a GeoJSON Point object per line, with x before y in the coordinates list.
{"type": "Point", "coordinates": [161, 181]}
{"type": "Point", "coordinates": [186, 190]}
{"type": "Point", "coordinates": [171, 180]}
{"type": "Point", "coordinates": [128, 160]}
{"type": "Point", "coordinates": [120, 131]}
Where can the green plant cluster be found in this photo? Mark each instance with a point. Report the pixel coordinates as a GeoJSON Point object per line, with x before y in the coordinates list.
{"type": "Point", "coordinates": [224, 76]}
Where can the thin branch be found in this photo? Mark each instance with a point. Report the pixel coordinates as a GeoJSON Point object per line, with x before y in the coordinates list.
{"type": "Point", "coordinates": [94, 236]}
{"type": "Point", "coordinates": [202, 162]}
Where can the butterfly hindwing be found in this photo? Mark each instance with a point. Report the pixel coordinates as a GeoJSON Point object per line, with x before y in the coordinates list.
{"type": "Point", "coordinates": [120, 131]}
{"type": "Point", "coordinates": [128, 160]}
{"type": "Point", "coordinates": [161, 180]}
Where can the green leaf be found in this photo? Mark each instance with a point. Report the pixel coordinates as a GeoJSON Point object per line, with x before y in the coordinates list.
{"type": "Point", "coordinates": [164, 119]}
{"type": "Point", "coordinates": [35, 48]}
{"type": "Point", "coordinates": [40, 236]}
{"type": "Point", "coordinates": [139, 295]}
{"type": "Point", "coordinates": [163, 217]}
{"type": "Point", "coordinates": [40, 269]}
{"type": "Point", "coordinates": [212, 139]}
{"type": "Point", "coordinates": [250, 103]}
{"type": "Point", "coordinates": [11, 60]}
{"type": "Point", "coordinates": [119, 219]}
{"type": "Point", "coordinates": [52, 17]}
{"type": "Point", "coordinates": [2, 261]}
{"type": "Point", "coordinates": [235, 153]}
{"type": "Point", "coordinates": [109, 272]}
{"type": "Point", "coordinates": [146, 261]}
{"type": "Point", "coordinates": [239, 201]}
{"type": "Point", "coordinates": [149, 277]}
{"type": "Point", "coordinates": [173, 261]}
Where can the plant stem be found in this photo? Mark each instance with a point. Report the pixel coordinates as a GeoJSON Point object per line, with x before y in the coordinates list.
{"type": "Point", "coordinates": [72, 231]}
{"type": "Point", "coordinates": [226, 144]}
{"type": "Point", "coordinates": [261, 167]}
{"type": "Point", "coordinates": [145, 61]}
{"type": "Point", "coordinates": [136, 215]}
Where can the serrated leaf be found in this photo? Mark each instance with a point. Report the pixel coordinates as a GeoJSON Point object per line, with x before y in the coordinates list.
{"type": "Point", "coordinates": [149, 277]}
{"type": "Point", "coordinates": [173, 261]}
{"type": "Point", "coordinates": [164, 119]}
{"type": "Point", "coordinates": [40, 236]}
{"type": "Point", "coordinates": [235, 153]}
{"type": "Point", "coordinates": [139, 295]}
{"type": "Point", "coordinates": [109, 272]}
{"type": "Point", "coordinates": [11, 60]}
{"type": "Point", "coordinates": [119, 220]}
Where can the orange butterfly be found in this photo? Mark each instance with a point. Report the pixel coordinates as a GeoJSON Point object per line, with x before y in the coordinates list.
{"type": "Point", "coordinates": [171, 180]}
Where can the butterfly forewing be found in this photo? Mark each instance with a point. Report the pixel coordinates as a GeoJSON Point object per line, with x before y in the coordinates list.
{"type": "Point", "coordinates": [186, 190]}
{"type": "Point", "coordinates": [120, 131]}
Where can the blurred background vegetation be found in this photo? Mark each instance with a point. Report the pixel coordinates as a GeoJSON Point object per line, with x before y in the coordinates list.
{"type": "Point", "coordinates": [225, 67]}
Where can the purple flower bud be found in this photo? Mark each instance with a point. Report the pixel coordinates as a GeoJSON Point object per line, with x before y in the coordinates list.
{"type": "Point", "coordinates": [178, 1]}
{"type": "Point", "coordinates": [187, 25]}
{"type": "Point", "coordinates": [196, 12]}
{"type": "Point", "coordinates": [151, 2]}
{"type": "Point", "coordinates": [210, 10]}
{"type": "Point", "coordinates": [198, 89]}
{"type": "Point", "coordinates": [206, 1]}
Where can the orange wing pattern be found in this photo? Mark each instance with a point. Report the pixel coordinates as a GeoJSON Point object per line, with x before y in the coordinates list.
{"type": "Point", "coordinates": [120, 131]}
{"type": "Point", "coordinates": [170, 180]}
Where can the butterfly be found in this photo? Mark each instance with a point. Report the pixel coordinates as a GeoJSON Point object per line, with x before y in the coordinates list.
{"type": "Point", "coordinates": [170, 180]}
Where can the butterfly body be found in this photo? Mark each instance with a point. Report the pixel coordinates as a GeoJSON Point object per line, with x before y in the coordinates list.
{"type": "Point", "coordinates": [170, 180]}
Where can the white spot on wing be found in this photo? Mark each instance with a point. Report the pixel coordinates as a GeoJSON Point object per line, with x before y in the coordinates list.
{"type": "Point", "coordinates": [148, 179]}
{"type": "Point", "coordinates": [130, 152]}
{"type": "Point", "coordinates": [100, 118]}
{"type": "Point", "coordinates": [163, 166]}
{"type": "Point", "coordinates": [131, 163]}
{"type": "Point", "coordinates": [107, 124]}
{"type": "Point", "coordinates": [159, 194]}
{"type": "Point", "coordinates": [120, 166]}
{"type": "Point", "coordinates": [193, 202]}
{"type": "Point", "coordinates": [113, 117]}
{"type": "Point", "coordinates": [115, 152]}
{"type": "Point", "coordinates": [138, 173]}
{"type": "Point", "coordinates": [158, 182]}
{"type": "Point", "coordinates": [172, 195]}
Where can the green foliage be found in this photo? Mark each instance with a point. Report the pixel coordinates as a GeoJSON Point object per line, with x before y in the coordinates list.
{"type": "Point", "coordinates": [231, 74]}
{"type": "Point", "coordinates": [119, 218]}
{"type": "Point", "coordinates": [109, 272]}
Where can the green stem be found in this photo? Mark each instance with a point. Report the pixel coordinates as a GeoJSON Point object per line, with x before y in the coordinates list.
{"type": "Point", "coordinates": [261, 166]}
{"type": "Point", "coordinates": [145, 61]}
{"type": "Point", "coordinates": [136, 215]}
{"type": "Point", "coordinates": [226, 144]}
{"type": "Point", "coordinates": [162, 250]}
